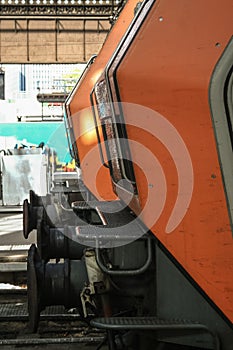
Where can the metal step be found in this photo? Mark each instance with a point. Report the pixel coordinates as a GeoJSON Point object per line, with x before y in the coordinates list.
{"type": "Point", "coordinates": [142, 323]}
{"type": "Point", "coordinates": [108, 206]}
{"type": "Point", "coordinates": [108, 232]}
{"type": "Point", "coordinates": [118, 222]}
{"type": "Point", "coordinates": [153, 324]}
{"type": "Point", "coordinates": [81, 205]}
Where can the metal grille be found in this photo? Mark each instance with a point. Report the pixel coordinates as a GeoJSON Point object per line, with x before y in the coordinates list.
{"type": "Point", "coordinates": [19, 311]}
{"type": "Point", "coordinates": [58, 8]}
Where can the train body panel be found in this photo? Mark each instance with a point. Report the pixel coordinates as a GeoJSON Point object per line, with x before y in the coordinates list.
{"type": "Point", "coordinates": [165, 66]}
{"type": "Point", "coordinates": [149, 257]}
{"type": "Point", "coordinates": [79, 113]}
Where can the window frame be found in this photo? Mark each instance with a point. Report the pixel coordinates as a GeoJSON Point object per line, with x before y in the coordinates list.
{"type": "Point", "coordinates": [221, 105]}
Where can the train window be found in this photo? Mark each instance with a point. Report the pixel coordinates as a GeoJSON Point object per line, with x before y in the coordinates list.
{"type": "Point", "coordinates": [115, 139]}
{"type": "Point", "coordinates": [221, 103]}
{"type": "Point", "coordinates": [230, 104]}
{"type": "Point", "coordinates": [70, 137]}
{"type": "Point", "coordinates": [102, 116]}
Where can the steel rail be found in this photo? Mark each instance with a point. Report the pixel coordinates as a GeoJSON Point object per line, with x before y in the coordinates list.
{"type": "Point", "coordinates": [45, 341]}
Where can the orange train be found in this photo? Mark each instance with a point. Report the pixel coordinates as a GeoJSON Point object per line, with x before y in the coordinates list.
{"type": "Point", "coordinates": [79, 113]}
{"type": "Point", "coordinates": [163, 114]}
{"type": "Point", "coordinates": [150, 121]}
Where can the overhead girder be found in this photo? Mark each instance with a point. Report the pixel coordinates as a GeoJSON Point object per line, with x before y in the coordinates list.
{"type": "Point", "coordinates": [54, 31]}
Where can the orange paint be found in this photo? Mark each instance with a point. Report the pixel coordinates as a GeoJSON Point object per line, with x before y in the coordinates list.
{"type": "Point", "coordinates": [79, 108]}
{"type": "Point", "coordinates": [168, 68]}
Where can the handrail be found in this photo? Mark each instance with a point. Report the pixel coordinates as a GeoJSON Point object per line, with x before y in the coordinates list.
{"type": "Point", "coordinates": [133, 272]}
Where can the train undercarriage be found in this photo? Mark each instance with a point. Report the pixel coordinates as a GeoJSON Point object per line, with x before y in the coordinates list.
{"type": "Point", "coordinates": [77, 263]}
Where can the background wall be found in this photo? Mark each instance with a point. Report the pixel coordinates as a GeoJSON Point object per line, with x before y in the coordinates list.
{"type": "Point", "coordinates": [53, 134]}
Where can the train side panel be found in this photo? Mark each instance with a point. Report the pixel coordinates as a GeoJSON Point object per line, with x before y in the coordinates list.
{"type": "Point", "coordinates": [94, 174]}
{"type": "Point", "coordinates": [167, 68]}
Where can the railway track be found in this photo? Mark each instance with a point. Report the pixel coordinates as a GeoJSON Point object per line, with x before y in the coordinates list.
{"type": "Point", "coordinates": [58, 328]}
